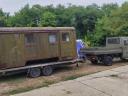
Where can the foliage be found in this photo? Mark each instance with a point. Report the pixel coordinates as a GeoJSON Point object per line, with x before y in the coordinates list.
{"type": "Point", "coordinates": [3, 18]}
{"type": "Point", "coordinates": [48, 19]}
{"type": "Point", "coordinates": [82, 18]}
{"type": "Point", "coordinates": [26, 17]}
{"type": "Point", "coordinates": [116, 24]}
{"type": "Point", "coordinates": [93, 23]}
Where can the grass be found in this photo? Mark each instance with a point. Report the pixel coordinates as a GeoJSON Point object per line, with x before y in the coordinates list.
{"type": "Point", "coordinates": [13, 78]}
{"type": "Point", "coordinates": [73, 77]}
{"type": "Point", "coordinates": [113, 75]}
{"type": "Point", "coordinates": [68, 92]}
{"type": "Point", "coordinates": [25, 89]}
{"type": "Point", "coordinates": [45, 83]}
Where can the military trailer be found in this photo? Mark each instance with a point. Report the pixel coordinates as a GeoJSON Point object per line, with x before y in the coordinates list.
{"type": "Point", "coordinates": [37, 50]}
{"type": "Point", "coordinates": [116, 47]}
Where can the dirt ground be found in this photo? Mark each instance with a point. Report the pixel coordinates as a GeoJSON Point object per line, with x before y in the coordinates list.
{"type": "Point", "coordinates": [20, 83]}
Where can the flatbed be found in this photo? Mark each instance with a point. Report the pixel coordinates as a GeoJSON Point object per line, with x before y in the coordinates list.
{"type": "Point", "coordinates": [116, 47]}
{"type": "Point", "coordinates": [101, 50]}
{"type": "Point", "coordinates": [41, 66]}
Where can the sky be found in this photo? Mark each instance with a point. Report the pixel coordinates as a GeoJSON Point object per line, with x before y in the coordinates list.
{"type": "Point", "coordinates": [12, 6]}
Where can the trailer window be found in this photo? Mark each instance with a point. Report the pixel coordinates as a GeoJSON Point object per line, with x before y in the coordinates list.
{"type": "Point", "coordinates": [29, 38]}
{"type": "Point", "coordinates": [52, 38]}
{"type": "Point", "coordinates": [65, 37]}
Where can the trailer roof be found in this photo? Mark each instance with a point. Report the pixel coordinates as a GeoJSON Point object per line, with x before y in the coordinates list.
{"type": "Point", "coordinates": [33, 29]}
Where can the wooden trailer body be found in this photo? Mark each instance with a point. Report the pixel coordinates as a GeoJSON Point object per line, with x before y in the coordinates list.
{"type": "Point", "coordinates": [23, 46]}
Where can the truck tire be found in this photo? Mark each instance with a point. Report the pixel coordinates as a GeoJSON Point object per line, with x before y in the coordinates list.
{"type": "Point", "coordinates": [47, 70]}
{"type": "Point", "coordinates": [34, 72]}
{"type": "Point", "coordinates": [123, 59]}
{"type": "Point", "coordinates": [107, 60]}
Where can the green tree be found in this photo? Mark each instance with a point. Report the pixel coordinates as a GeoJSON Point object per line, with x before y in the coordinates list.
{"type": "Point", "coordinates": [26, 17]}
{"type": "Point", "coordinates": [93, 23]}
{"type": "Point", "coordinates": [108, 8]}
{"type": "Point", "coordinates": [3, 18]}
{"type": "Point", "coordinates": [116, 24]}
{"type": "Point", "coordinates": [48, 19]}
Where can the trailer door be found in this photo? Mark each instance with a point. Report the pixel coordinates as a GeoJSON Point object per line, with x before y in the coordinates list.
{"type": "Point", "coordinates": [53, 45]}
{"type": "Point", "coordinates": [67, 45]}
{"type": "Point", "coordinates": [30, 46]}
{"type": "Point", "coordinates": [19, 50]}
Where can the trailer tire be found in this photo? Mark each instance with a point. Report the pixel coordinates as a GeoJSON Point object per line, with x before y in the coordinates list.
{"type": "Point", "coordinates": [107, 60]}
{"type": "Point", "coordinates": [94, 61]}
{"type": "Point", "coordinates": [34, 72]}
{"type": "Point", "coordinates": [47, 70]}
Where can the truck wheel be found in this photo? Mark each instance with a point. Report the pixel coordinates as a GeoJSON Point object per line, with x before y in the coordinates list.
{"type": "Point", "coordinates": [123, 59]}
{"type": "Point", "coordinates": [107, 60]}
{"type": "Point", "coordinates": [94, 61]}
{"type": "Point", "coordinates": [47, 70]}
{"type": "Point", "coordinates": [34, 72]}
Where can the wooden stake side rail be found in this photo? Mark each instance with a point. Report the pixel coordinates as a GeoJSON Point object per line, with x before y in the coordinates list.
{"type": "Point", "coordinates": [39, 65]}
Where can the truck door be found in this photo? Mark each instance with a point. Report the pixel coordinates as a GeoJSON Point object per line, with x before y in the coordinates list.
{"type": "Point", "coordinates": [125, 49]}
{"type": "Point", "coordinates": [66, 45]}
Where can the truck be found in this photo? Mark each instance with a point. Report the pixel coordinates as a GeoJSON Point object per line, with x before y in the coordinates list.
{"type": "Point", "coordinates": [116, 47]}
{"type": "Point", "coordinates": [36, 50]}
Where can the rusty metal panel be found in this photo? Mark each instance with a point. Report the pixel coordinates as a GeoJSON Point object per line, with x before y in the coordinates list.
{"type": "Point", "coordinates": [45, 48]}
{"type": "Point", "coordinates": [68, 47]}
{"type": "Point", "coordinates": [73, 37]}
{"type": "Point", "coordinates": [53, 45]}
{"type": "Point", "coordinates": [12, 30]}
{"type": "Point", "coordinates": [43, 42]}
{"type": "Point", "coordinates": [12, 51]}
{"type": "Point", "coordinates": [20, 51]}
{"type": "Point", "coordinates": [30, 43]}
{"type": "Point", "coordinates": [2, 65]}
{"type": "Point", "coordinates": [16, 50]}
{"type": "Point", "coordinates": [9, 52]}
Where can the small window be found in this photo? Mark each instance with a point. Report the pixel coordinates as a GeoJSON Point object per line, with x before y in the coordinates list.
{"type": "Point", "coordinates": [29, 38]}
{"type": "Point", "coordinates": [65, 37]}
{"type": "Point", "coordinates": [114, 41]}
{"type": "Point", "coordinates": [52, 38]}
{"type": "Point", "coordinates": [125, 42]}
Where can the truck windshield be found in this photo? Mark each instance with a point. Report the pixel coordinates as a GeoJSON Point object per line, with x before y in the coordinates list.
{"type": "Point", "coordinates": [114, 41]}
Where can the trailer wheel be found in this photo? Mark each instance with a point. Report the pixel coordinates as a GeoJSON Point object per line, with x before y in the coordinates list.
{"type": "Point", "coordinates": [34, 72]}
{"type": "Point", "coordinates": [107, 60]}
{"type": "Point", "coordinates": [94, 61]}
{"type": "Point", "coordinates": [47, 70]}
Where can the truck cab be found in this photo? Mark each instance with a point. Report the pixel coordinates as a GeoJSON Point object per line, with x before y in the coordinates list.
{"type": "Point", "coordinates": [116, 41]}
